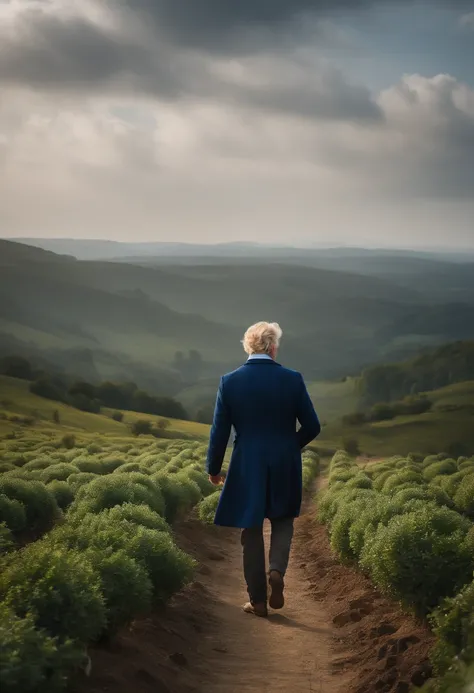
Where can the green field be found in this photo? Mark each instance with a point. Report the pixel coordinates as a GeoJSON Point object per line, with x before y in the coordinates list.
{"type": "Point", "coordinates": [450, 423]}
{"type": "Point", "coordinates": [17, 400]}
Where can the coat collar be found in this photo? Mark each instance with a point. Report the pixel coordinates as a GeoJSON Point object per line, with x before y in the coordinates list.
{"type": "Point", "coordinates": [261, 362]}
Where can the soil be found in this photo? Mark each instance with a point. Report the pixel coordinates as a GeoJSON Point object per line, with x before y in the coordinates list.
{"type": "Point", "coordinates": [336, 634]}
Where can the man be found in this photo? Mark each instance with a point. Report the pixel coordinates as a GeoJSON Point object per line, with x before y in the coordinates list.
{"type": "Point", "coordinates": [262, 401]}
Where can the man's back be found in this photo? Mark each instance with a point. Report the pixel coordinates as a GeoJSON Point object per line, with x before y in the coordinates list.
{"type": "Point", "coordinates": [262, 401]}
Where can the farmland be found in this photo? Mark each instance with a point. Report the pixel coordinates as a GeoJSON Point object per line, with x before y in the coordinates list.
{"type": "Point", "coordinates": [407, 524]}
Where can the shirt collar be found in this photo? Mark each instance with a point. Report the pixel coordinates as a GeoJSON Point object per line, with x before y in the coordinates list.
{"type": "Point", "coordinates": [259, 356]}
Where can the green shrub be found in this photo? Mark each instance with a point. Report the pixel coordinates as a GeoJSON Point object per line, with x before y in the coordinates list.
{"type": "Point", "coordinates": [37, 464]}
{"type": "Point", "coordinates": [7, 541]}
{"type": "Point", "coordinates": [117, 416]}
{"type": "Point", "coordinates": [402, 477]}
{"type": "Point", "coordinates": [201, 479]}
{"type": "Point", "coordinates": [351, 446]}
{"type": "Point", "coordinates": [129, 512]}
{"type": "Point", "coordinates": [59, 587]}
{"type": "Point", "coordinates": [58, 472]}
{"type": "Point", "coordinates": [175, 493]}
{"type": "Point", "coordinates": [68, 441]}
{"type": "Point", "coordinates": [40, 504]}
{"type": "Point", "coordinates": [30, 660]}
{"type": "Point", "coordinates": [168, 567]}
{"type": "Point", "coordinates": [464, 496]}
{"type": "Point", "coordinates": [116, 489]}
{"type": "Point", "coordinates": [131, 467]}
{"type": "Point", "coordinates": [360, 480]}
{"type": "Point", "coordinates": [443, 467]}
{"type": "Point", "coordinates": [75, 481]}
{"type": "Point", "coordinates": [141, 427]}
{"type": "Point", "coordinates": [420, 557]}
{"type": "Point", "coordinates": [453, 624]}
{"type": "Point", "coordinates": [62, 492]}
{"type": "Point", "coordinates": [12, 513]}
{"type": "Point", "coordinates": [342, 522]}
{"type": "Point", "coordinates": [207, 507]}
{"type": "Point", "coordinates": [125, 585]}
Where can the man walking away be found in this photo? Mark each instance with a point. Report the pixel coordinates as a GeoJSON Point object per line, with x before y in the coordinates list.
{"type": "Point", "coordinates": [263, 402]}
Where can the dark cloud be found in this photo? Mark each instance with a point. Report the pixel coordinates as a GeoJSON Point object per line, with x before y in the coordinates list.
{"type": "Point", "coordinates": [224, 25]}
{"type": "Point", "coordinates": [48, 52]}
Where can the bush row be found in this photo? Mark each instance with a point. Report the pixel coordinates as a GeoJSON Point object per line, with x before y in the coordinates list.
{"type": "Point", "coordinates": [407, 533]}
{"type": "Point", "coordinates": [109, 558]}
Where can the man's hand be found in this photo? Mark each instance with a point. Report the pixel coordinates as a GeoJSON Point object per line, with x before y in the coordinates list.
{"type": "Point", "coordinates": [217, 480]}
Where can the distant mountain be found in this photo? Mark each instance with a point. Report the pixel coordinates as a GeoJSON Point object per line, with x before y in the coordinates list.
{"type": "Point", "coordinates": [92, 249]}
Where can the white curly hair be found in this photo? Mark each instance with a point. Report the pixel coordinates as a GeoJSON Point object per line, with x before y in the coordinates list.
{"type": "Point", "coordinates": [262, 337]}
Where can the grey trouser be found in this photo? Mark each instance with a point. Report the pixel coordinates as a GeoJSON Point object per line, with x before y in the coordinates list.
{"type": "Point", "coordinates": [254, 555]}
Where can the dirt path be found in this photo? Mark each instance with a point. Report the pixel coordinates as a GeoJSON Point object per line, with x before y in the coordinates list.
{"type": "Point", "coordinates": [291, 651]}
{"type": "Point", "coordinates": [335, 635]}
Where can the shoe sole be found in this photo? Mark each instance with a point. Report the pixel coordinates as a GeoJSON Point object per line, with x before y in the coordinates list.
{"type": "Point", "coordinates": [277, 599]}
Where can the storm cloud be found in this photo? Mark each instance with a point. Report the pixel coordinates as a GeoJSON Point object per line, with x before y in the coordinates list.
{"type": "Point", "coordinates": [237, 118]}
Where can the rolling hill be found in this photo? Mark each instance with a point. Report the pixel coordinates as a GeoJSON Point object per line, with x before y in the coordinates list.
{"type": "Point", "coordinates": [121, 321]}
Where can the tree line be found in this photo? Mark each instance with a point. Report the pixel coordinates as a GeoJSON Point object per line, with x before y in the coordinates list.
{"type": "Point", "coordinates": [88, 396]}
{"type": "Point", "coordinates": [431, 370]}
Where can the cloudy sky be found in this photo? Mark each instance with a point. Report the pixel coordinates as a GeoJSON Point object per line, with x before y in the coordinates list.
{"type": "Point", "coordinates": [294, 121]}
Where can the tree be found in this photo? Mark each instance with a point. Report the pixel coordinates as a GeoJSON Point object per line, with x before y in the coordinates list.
{"type": "Point", "coordinates": [351, 446]}
{"type": "Point", "coordinates": [16, 367]}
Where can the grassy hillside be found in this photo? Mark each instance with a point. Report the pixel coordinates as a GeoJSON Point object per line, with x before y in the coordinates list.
{"type": "Point", "coordinates": [17, 401]}
{"type": "Point", "coordinates": [335, 322]}
{"type": "Point", "coordinates": [449, 427]}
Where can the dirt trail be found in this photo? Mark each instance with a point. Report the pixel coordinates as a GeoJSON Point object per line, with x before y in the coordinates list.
{"type": "Point", "coordinates": [291, 651]}
{"type": "Point", "coordinates": [335, 635]}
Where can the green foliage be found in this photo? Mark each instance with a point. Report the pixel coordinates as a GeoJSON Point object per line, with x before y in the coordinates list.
{"type": "Point", "coordinates": [75, 481]}
{"type": "Point", "coordinates": [59, 587]}
{"type": "Point", "coordinates": [31, 661]}
{"type": "Point", "coordinates": [116, 489]}
{"type": "Point", "coordinates": [12, 513]}
{"type": "Point", "coordinates": [430, 543]}
{"type": "Point", "coordinates": [141, 427]}
{"type": "Point", "coordinates": [440, 468]}
{"type": "Point", "coordinates": [62, 492]}
{"type": "Point", "coordinates": [39, 503]}
{"type": "Point", "coordinates": [464, 496]}
{"type": "Point", "coordinates": [208, 507]}
{"type": "Point", "coordinates": [351, 446]}
{"type": "Point", "coordinates": [126, 588]}
{"type": "Point", "coordinates": [453, 624]}
{"type": "Point", "coordinates": [7, 541]}
{"type": "Point", "coordinates": [117, 416]}
{"type": "Point", "coordinates": [176, 495]}
{"type": "Point", "coordinates": [68, 441]}
{"type": "Point", "coordinates": [58, 472]}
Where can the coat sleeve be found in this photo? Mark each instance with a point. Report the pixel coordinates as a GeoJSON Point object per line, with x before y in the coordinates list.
{"type": "Point", "coordinates": [310, 426]}
{"type": "Point", "coordinates": [220, 433]}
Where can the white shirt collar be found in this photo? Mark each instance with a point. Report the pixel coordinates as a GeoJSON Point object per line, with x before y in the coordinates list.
{"type": "Point", "coordinates": [259, 356]}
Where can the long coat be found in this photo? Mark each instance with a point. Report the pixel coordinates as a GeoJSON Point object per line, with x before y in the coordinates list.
{"type": "Point", "coordinates": [262, 401]}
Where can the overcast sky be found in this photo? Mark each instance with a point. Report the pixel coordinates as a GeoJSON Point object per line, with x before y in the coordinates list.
{"type": "Point", "coordinates": [305, 121]}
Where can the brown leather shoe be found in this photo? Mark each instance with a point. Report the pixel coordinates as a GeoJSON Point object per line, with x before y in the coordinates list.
{"type": "Point", "coordinates": [256, 609]}
{"type": "Point", "coordinates": [277, 585]}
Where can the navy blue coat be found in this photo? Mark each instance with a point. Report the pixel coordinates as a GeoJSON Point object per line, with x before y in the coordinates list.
{"type": "Point", "coordinates": [262, 401]}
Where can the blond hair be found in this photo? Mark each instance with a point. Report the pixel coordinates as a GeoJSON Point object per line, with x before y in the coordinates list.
{"type": "Point", "coordinates": [262, 337]}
